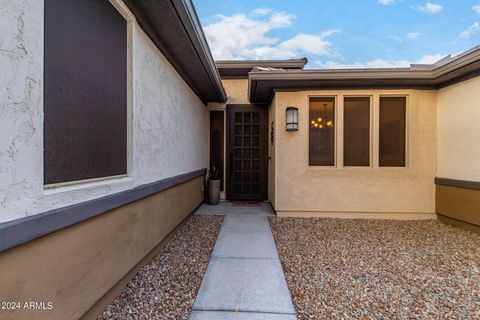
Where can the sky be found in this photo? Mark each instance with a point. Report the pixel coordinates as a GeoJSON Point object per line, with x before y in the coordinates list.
{"type": "Point", "coordinates": [340, 33]}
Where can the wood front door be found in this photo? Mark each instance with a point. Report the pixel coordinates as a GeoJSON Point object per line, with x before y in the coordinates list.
{"type": "Point", "coordinates": [247, 153]}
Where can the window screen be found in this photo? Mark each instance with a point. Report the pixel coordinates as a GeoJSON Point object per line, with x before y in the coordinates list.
{"type": "Point", "coordinates": [392, 131]}
{"type": "Point", "coordinates": [322, 131]}
{"type": "Point", "coordinates": [85, 129]}
{"type": "Point", "coordinates": [356, 131]}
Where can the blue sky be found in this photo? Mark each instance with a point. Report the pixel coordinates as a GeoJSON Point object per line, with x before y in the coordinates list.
{"type": "Point", "coordinates": [341, 33]}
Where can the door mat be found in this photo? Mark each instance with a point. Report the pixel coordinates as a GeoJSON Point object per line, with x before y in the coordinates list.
{"type": "Point", "coordinates": [246, 204]}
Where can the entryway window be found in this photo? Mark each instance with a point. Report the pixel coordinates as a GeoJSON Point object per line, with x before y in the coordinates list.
{"type": "Point", "coordinates": [322, 131]}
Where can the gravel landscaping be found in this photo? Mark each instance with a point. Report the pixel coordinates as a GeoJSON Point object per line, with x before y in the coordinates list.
{"type": "Point", "coordinates": [166, 287]}
{"type": "Point", "coordinates": [379, 269]}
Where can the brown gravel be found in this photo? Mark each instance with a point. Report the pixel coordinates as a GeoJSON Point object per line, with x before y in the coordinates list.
{"type": "Point", "coordinates": [166, 287]}
{"type": "Point", "coordinates": [379, 269]}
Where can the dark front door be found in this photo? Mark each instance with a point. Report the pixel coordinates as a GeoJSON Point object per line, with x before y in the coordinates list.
{"type": "Point", "coordinates": [247, 163]}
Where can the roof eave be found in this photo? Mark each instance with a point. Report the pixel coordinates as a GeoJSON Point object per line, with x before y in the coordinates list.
{"type": "Point", "coordinates": [174, 28]}
{"type": "Point", "coordinates": [263, 84]}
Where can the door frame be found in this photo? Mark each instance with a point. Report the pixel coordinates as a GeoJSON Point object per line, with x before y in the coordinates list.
{"type": "Point", "coordinates": [228, 130]}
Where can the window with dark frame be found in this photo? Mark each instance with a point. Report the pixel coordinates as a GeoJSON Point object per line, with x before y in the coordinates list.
{"type": "Point", "coordinates": [85, 106]}
{"type": "Point", "coordinates": [392, 131]}
{"type": "Point", "coordinates": [322, 131]}
{"type": "Point", "coordinates": [356, 131]}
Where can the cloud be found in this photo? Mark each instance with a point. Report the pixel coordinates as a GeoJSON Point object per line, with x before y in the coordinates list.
{"type": "Point", "coordinates": [476, 8]}
{"type": "Point", "coordinates": [408, 37]}
{"type": "Point", "coordinates": [386, 2]}
{"type": "Point", "coordinates": [430, 58]}
{"type": "Point", "coordinates": [261, 11]}
{"type": "Point", "coordinates": [429, 7]}
{"type": "Point", "coordinates": [379, 63]}
{"type": "Point", "coordinates": [241, 36]}
{"type": "Point", "coordinates": [470, 31]}
{"type": "Point", "coordinates": [413, 35]}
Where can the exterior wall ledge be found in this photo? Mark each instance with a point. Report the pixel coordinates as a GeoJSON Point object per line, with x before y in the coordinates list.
{"type": "Point", "coordinates": [16, 232]}
{"type": "Point", "coordinates": [466, 184]}
{"type": "Point", "coordinates": [358, 215]}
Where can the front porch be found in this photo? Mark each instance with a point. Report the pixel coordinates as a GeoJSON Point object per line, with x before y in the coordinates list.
{"type": "Point", "coordinates": [334, 268]}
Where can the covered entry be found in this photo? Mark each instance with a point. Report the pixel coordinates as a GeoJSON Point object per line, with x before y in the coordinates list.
{"type": "Point", "coordinates": [246, 153]}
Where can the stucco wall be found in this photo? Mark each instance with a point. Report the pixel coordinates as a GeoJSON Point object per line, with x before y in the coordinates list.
{"type": "Point", "coordinates": [169, 124]}
{"type": "Point", "coordinates": [459, 131]}
{"type": "Point", "coordinates": [363, 192]}
{"type": "Point", "coordinates": [237, 91]}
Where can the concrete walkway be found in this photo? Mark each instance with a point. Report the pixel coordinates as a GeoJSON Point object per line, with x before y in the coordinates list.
{"type": "Point", "coordinates": [244, 278]}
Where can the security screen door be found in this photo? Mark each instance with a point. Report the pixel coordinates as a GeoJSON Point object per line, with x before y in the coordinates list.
{"type": "Point", "coordinates": [246, 156]}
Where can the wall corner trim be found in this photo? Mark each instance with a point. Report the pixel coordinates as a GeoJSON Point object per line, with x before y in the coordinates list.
{"type": "Point", "coordinates": [19, 231]}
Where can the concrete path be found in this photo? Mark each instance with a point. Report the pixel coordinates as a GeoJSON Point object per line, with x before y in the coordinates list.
{"type": "Point", "coordinates": [226, 208]}
{"type": "Point", "coordinates": [244, 279]}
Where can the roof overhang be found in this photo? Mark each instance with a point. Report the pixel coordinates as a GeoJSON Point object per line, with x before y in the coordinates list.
{"type": "Point", "coordinates": [263, 84]}
{"type": "Point", "coordinates": [239, 69]}
{"type": "Point", "coordinates": [174, 27]}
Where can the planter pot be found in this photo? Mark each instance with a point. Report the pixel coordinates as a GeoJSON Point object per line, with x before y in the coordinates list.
{"type": "Point", "coordinates": [213, 191]}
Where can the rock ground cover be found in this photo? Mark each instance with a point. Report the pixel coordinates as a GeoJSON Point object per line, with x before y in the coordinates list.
{"type": "Point", "coordinates": [166, 287]}
{"type": "Point", "coordinates": [379, 269]}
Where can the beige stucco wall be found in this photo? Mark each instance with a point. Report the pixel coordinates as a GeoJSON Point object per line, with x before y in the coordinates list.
{"type": "Point", "coordinates": [237, 93]}
{"type": "Point", "coordinates": [459, 131]}
{"type": "Point", "coordinates": [356, 192]}
{"type": "Point", "coordinates": [76, 266]}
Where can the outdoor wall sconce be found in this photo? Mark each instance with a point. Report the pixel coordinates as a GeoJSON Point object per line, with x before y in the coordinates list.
{"type": "Point", "coordinates": [292, 119]}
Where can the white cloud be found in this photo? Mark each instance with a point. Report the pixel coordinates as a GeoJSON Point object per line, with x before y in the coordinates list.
{"type": "Point", "coordinates": [247, 37]}
{"type": "Point", "coordinates": [386, 2]}
{"type": "Point", "coordinates": [378, 63]}
{"type": "Point", "coordinates": [429, 7]}
{"type": "Point", "coordinates": [476, 8]}
{"type": "Point", "coordinates": [408, 37]}
{"type": "Point", "coordinates": [430, 58]}
{"type": "Point", "coordinates": [470, 31]}
{"type": "Point", "coordinates": [413, 35]}
{"type": "Point", "coordinates": [261, 11]}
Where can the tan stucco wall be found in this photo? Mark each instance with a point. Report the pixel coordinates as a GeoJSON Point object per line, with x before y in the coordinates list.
{"type": "Point", "coordinates": [459, 131]}
{"type": "Point", "coordinates": [459, 203]}
{"type": "Point", "coordinates": [237, 93]}
{"type": "Point", "coordinates": [458, 118]}
{"type": "Point", "coordinates": [357, 192]}
{"type": "Point", "coordinates": [75, 267]}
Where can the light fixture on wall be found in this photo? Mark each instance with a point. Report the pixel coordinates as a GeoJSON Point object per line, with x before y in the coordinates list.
{"type": "Point", "coordinates": [292, 119]}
